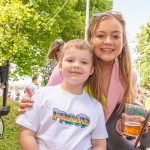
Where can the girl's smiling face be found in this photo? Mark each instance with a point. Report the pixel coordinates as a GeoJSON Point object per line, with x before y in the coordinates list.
{"type": "Point", "coordinates": [108, 39]}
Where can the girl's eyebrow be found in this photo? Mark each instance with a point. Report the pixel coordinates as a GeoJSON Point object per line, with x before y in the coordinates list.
{"type": "Point", "coordinates": [117, 31]}
{"type": "Point", "coordinates": [112, 31]}
{"type": "Point", "coordinates": [101, 31]}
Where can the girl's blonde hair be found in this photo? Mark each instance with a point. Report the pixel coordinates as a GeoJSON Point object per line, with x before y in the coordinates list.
{"type": "Point", "coordinates": [55, 46]}
{"type": "Point", "coordinates": [125, 68]}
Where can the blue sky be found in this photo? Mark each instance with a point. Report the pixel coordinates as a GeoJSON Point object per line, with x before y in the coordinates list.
{"type": "Point", "coordinates": [136, 13]}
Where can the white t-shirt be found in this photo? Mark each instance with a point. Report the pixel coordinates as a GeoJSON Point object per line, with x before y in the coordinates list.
{"type": "Point", "coordinates": [64, 121]}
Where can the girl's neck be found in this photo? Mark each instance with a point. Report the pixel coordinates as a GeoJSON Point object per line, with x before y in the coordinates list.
{"type": "Point", "coordinates": [106, 66]}
{"type": "Point", "coordinates": [72, 89]}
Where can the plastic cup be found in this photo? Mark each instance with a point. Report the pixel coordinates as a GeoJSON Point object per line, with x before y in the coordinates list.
{"type": "Point", "coordinates": [133, 116]}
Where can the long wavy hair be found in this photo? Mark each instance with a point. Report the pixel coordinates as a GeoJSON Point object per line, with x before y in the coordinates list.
{"type": "Point", "coordinates": [55, 46]}
{"type": "Point", "coordinates": [125, 67]}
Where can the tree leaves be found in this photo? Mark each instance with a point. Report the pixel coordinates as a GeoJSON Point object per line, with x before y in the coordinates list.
{"type": "Point", "coordinates": [28, 27]}
{"type": "Point", "coordinates": [143, 49]}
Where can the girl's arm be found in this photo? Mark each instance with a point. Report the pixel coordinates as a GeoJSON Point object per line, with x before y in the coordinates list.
{"type": "Point", "coordinates": [28, 139]}
{"type": "Point", "coordinates": [98, 144]}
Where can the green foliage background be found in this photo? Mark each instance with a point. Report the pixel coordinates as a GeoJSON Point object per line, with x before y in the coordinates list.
{"type": "Point", "coordinates": [10, 140]}
{"type": "Point", "coordinates": [143, 50]}
{"type": "Point", "coordinates": [28, 27]}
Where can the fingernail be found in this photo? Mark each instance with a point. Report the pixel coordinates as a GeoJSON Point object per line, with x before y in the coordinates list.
{"type": "Point", "coordinates": [30, 104]}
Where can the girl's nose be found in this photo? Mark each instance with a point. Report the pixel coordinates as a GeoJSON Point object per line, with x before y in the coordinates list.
{"type": "Point", "coordinates": [108, 40]}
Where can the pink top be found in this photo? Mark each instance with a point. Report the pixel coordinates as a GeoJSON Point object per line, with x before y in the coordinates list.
{"type": "Point", "coordinates": [56, 77]}
{"type": "Point", "coordinates": [115, 92]}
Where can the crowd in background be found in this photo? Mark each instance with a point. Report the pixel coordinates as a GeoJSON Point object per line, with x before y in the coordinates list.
{"type": "Point", "coordinates": [143, 95]}
{"type": "Point", "coordinates": [17, 92]}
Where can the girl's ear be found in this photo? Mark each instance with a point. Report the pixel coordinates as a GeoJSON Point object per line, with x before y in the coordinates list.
{"type": "Point", "coordinates": [60, 65]}
{"type": "Point", "coordinates": [92, 71]}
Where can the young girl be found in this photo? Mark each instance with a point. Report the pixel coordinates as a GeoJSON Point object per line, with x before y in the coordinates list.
{"type": "Point", "coordinates": [65, 116]}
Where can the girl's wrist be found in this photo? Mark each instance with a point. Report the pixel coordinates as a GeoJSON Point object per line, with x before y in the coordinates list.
{"type": "Point", "coordinates": [119, 127]}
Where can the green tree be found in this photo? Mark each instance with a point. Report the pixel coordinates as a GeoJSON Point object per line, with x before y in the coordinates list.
{"type": "Point", "coordinates": [143, 60]}
{"type": "Point", "coordinates": [27, 28]}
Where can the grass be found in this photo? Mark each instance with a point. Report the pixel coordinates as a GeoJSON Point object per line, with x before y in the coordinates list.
{"type": "Point", "coordinates": [10, 139]}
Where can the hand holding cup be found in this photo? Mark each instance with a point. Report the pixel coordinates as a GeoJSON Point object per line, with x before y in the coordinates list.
{"type": "Point", "coordinates": [133, 119]}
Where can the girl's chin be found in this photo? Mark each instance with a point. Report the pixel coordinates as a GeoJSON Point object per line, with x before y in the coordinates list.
{"type": "Point", "coordinates": [106, 59]}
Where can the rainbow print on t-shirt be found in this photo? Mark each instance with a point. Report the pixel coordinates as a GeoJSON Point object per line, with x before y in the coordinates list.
{"type": "Point", "coordinates": [71, 119]}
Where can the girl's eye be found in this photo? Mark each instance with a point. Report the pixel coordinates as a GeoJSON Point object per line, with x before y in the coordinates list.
{"type": "Point", "coordinates": [84, 62]}
{"type": "Point", "coordinates": [100, 36]}
{"type": "Point", "coordinates": [116, 37]}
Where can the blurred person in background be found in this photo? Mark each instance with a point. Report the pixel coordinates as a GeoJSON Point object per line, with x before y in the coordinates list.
{"type": "Point", "coordinates": [52, 58]}
{"type": "Point", "coordinates": [32, 87]}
